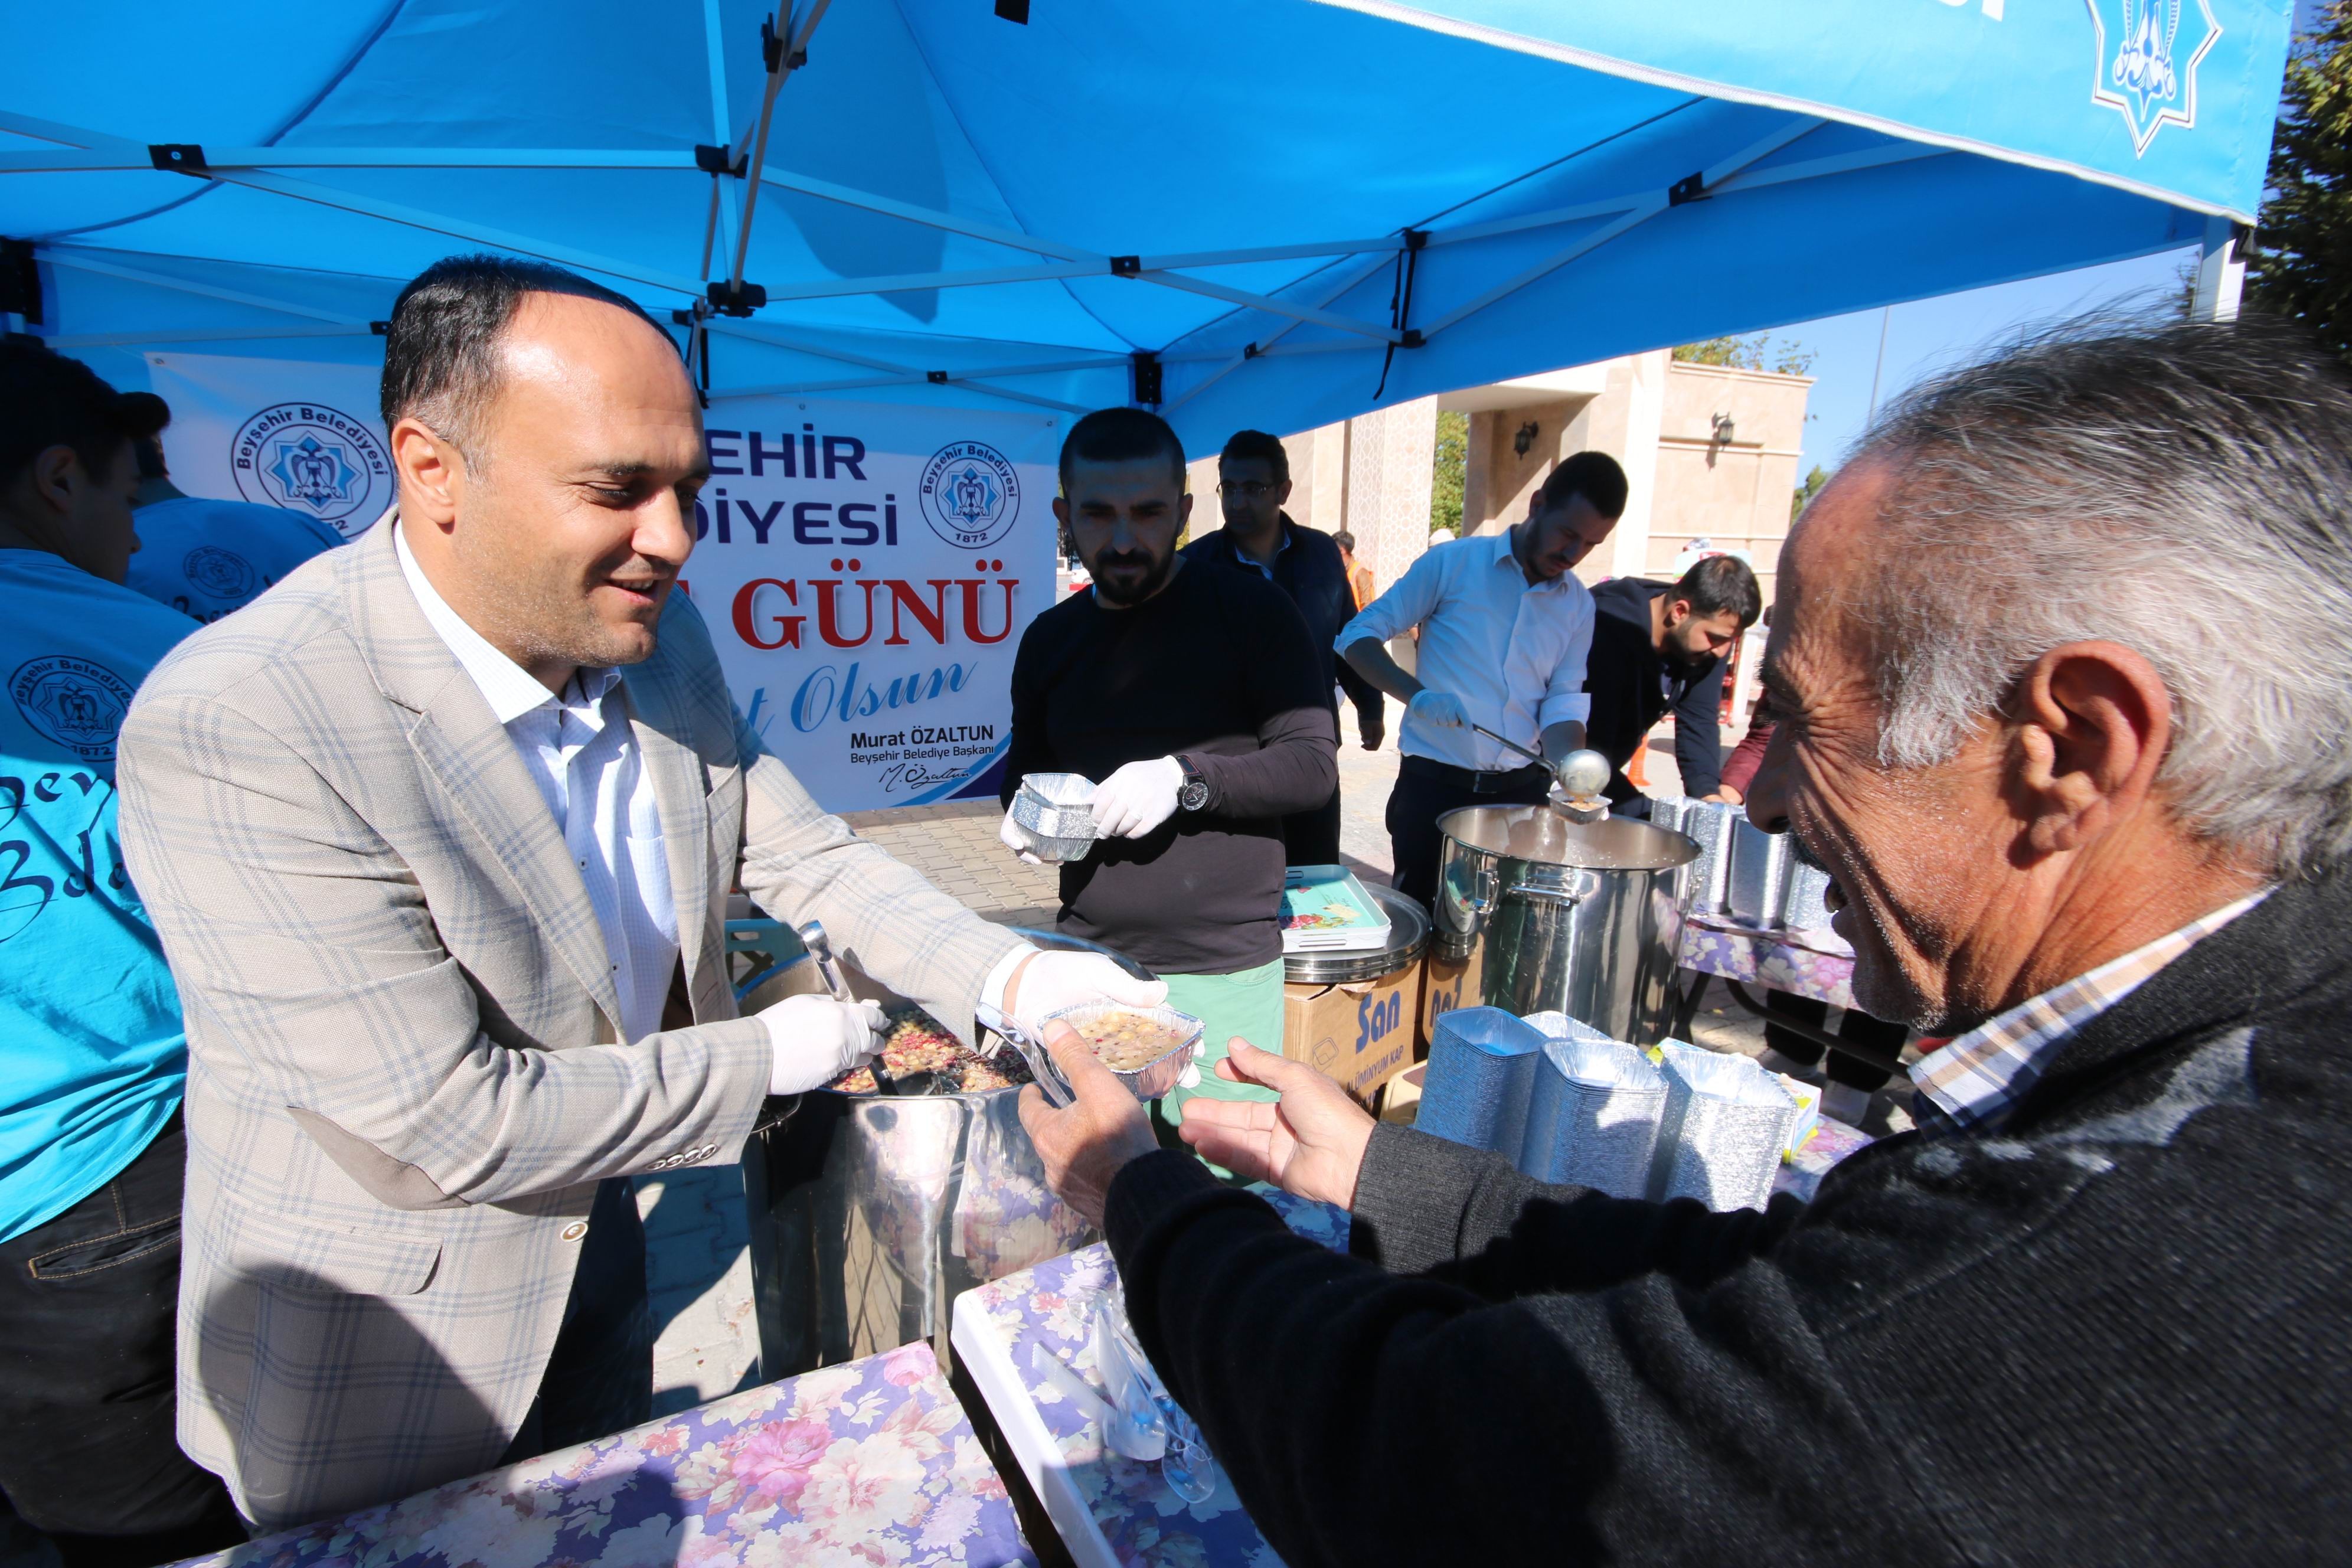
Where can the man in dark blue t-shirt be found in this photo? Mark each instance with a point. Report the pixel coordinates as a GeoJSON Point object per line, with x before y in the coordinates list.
{"type": "Point", "coordinates": [1258, 537]}
{"type": "Point", "coordinates": [1663, 645]}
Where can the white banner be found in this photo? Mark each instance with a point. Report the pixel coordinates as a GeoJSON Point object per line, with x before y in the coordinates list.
{"type": "Point", "coordinates": [277, 433]}
{"type": "Point", "coordinates": [867, 571]}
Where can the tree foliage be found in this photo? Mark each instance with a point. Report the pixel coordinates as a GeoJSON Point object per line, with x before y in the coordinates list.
{"type": "Point", "coordinates": [2301, 260]}
{"type": "Point", "coordinates": [1452, 463]}
{"type": "Point", "coordinates": [1803, 494]}
{"type": "Point", "coordinates": [1759, 351]}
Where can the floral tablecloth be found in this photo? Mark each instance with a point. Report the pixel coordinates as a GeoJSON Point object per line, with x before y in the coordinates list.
{"type": "Point", "coordinates": [1110, 1510]}
{"type": "Point", "coordinates": [1802, 964]}
{"type": "Point", "coordinates": [867, 1465]}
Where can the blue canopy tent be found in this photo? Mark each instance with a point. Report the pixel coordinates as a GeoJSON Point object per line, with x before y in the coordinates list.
{"type": "Point", "coordinates": [1275, 213]}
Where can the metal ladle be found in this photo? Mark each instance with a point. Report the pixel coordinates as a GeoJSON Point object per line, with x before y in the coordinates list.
{"type": "Point", "coordinates": [1577, 778]}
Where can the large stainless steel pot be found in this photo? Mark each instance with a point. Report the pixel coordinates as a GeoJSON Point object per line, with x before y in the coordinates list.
{"type": "Point", "coordinates": [870, 1214]}
{"type": "Point", "coordinates": [1552, 914]}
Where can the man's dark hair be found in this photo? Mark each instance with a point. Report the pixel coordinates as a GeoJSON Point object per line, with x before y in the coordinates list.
{"type": "Point", "coordinates": [1345, 541]}
{"type": "Point", "coordinates": [148, 415]}
{"type": "Point", "coordinates": [1595, 476]}
{"type": "Point", "coordinates": [48, 400]}
{"type": "Point", "coordinates": [1718, 584]}
{"type": "Point", "coordinates": [1247, 444]}
{"type": "Point", "coordinates": [440, 356]}
{"type": "Point", "coordinates": [1121, 435]}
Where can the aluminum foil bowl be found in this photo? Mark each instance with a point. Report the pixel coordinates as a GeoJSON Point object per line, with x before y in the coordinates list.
{"type": "Point", "coordinates": [1052, 850]}
{"type": "Point", "coordinates": [1154, 1078]}
{"type": "Point", "coordinates": [1056, 805]}
{"type": "Point", "coordinates": [1053, 816]}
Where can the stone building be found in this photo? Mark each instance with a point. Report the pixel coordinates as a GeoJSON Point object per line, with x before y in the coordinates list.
{"type": "Point", "coordinates": [1712, 454]}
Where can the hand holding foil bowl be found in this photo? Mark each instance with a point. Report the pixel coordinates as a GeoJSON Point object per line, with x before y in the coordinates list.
{"type": "Point", "coordinates": [1146, 1048]}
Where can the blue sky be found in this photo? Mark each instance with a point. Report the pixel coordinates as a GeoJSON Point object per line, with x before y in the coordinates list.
{"type": "Point", "coordinates": [1927, 334]}
{"type": "Point", "coordinates": [1931, 334]}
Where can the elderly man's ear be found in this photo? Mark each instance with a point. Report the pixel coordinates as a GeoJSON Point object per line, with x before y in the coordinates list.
{"type": "Point", "coordinates": [2093, 720]}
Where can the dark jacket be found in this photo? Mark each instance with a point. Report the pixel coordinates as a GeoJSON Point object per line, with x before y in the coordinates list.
{"type": "Point", "coordinates": [1632, 687]}
{"type": "Point", "coordinates": [2118, 1330]}
{"type": "Point", "coordinates": [1311, 572]}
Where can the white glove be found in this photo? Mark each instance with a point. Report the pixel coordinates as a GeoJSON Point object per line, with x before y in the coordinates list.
{"type": "Point", "coordinates": [1055, 979]}
{"type": "Point", "coordinates": [816, 1039]}
{"type": "Point", "coordinates": [1441, 709]}
{"type": "Point", "coordinates": [1008, 834]}
{"type": "Point", "coordinates": [1137, 798]}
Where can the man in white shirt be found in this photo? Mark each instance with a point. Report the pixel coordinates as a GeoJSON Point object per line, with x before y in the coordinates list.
{"type": "Point", "coordinates": [438, 836]}
{"type": "Point", "coordinates": [1505, 630]}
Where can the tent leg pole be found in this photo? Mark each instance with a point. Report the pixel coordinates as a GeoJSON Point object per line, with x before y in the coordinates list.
{"type": "Point", "coordinates": [2221, 275]}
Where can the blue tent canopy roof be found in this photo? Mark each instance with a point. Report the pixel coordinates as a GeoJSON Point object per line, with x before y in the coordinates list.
{"type": "Point", "coordinates": [949, 206]}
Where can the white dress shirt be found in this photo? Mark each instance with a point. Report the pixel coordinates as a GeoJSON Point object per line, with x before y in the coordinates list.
{"type": "Point", "coordinates": [1513, 653]}
{"type": "Point", "coordinates": [579, 750]}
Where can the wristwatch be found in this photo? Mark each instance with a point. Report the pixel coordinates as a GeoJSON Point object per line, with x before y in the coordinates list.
{"type": "Point", "coordinates": [1194, 792]}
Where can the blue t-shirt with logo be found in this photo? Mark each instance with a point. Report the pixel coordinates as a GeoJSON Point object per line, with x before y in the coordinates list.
{"type": "Point", "coordinates": [92, 1052]}
{"type": "Point", "coordinates": [205, 558]}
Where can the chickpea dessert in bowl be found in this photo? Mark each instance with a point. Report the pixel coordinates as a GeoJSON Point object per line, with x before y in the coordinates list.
{"type": "Point", "coordinates": [1147, 1048]}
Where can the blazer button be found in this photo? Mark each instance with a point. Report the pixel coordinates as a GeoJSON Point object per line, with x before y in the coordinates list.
{"type": "Point", "coordinates": [575, 1230]}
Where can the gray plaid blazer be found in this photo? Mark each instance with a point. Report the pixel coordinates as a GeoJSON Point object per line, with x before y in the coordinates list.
{"type": "Point", "coordinates": [405, 1072]}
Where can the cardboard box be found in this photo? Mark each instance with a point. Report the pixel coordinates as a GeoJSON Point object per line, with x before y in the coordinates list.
{"type": "Point", "coordinates": [1446, 984]}
{"type": "Point", "coordinates": [1360, 1032]}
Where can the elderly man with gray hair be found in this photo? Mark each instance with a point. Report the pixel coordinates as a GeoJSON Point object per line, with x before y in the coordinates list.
{"type": "Point", "coordinates": [2064, 661]}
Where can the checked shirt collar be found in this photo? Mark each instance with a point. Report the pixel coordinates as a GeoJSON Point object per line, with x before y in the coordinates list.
{"type": "Point", "coordinates": [1976, 1078]}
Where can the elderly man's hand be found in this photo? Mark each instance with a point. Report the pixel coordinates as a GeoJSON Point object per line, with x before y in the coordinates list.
{"type": "Point", "coordinates": [1087, 1143]}
{"type": "Point", "coordinates": [1310, 1142]}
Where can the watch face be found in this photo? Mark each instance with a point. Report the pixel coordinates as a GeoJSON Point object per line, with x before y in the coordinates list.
{"type": "Point", "coordinates": [1193, 795]}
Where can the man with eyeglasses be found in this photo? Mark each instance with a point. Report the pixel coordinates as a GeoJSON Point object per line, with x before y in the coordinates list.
{"type": "Point", "coordinates": [1259, 537]}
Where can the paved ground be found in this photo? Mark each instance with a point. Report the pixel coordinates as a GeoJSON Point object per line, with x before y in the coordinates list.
{"type": "Point", "coordinates": [699, 1271]}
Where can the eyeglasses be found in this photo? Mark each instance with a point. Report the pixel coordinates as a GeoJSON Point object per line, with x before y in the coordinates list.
{"type": "Point", "coordinates": [1248, 490]}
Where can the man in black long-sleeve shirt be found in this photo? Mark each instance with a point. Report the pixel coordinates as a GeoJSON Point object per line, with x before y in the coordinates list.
{"type": "Point", "coordinates": [1191, 694]}
{"type": "Point", "coordinates": [1659, 645]}
{"type": "Point", "coordinates": [2095, 1309]}
{"type": "Point", "coordinates": [1258, 537]}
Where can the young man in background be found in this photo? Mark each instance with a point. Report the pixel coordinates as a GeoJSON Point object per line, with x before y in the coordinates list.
{"type": "Point", "coordinates": [1253, 486]}
{"type": "Point", "coordinates": [206, 557]}
{"type": "Point", "coordinates": [1660, 648]}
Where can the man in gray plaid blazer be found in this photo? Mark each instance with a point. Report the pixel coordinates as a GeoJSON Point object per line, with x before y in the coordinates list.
{"type": "Point", "coordinates": [438, 835]}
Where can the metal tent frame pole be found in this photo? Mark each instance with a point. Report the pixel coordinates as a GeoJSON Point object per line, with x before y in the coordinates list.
{"type": "Point", "coordinates": [1318, 293]}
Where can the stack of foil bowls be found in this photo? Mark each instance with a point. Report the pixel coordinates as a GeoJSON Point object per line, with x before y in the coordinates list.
{"type": "Point", "coordinates": [1725, 1124]}
{"type": "Point", "coordinates": [1756, 888]}
{"type": "Point", "coordinates": [1482, 1072]}
{"type": "Point", "coordinates": [1807, 906]}
{"type": "Point", "coordinates": [1593, 1120]}
{"type": "Point", "coordinates": [1710, 825]}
